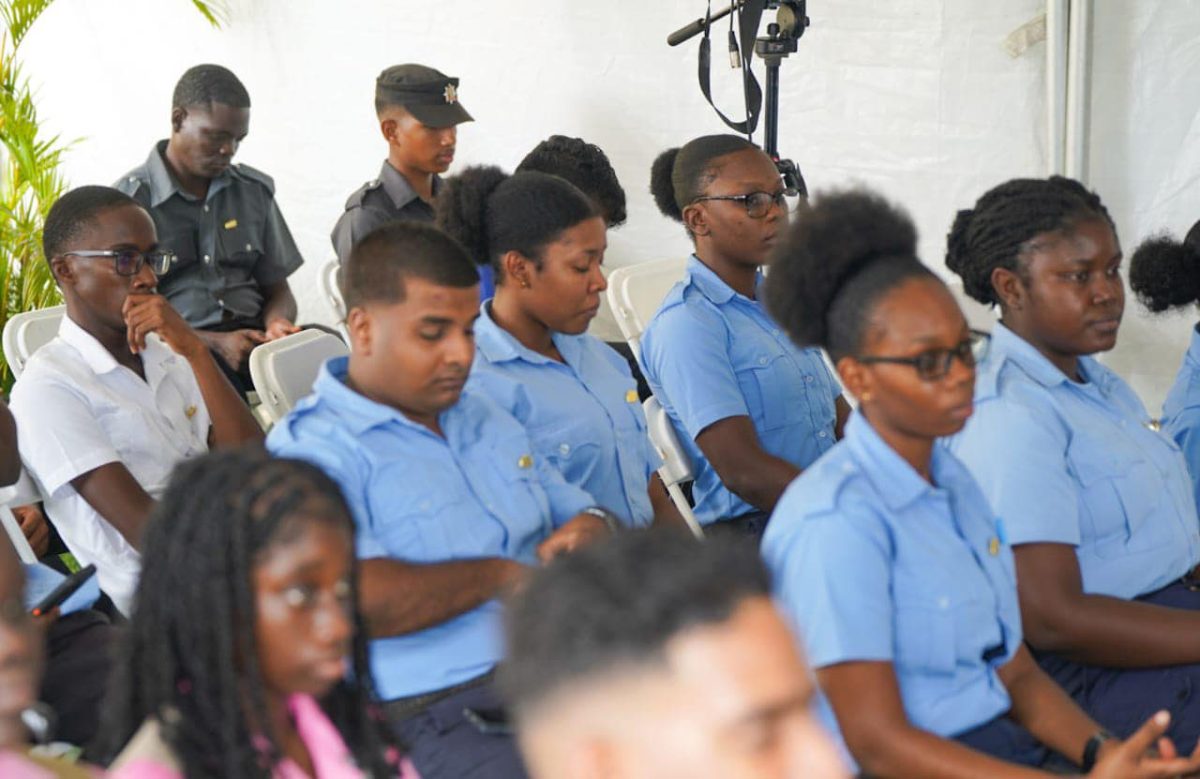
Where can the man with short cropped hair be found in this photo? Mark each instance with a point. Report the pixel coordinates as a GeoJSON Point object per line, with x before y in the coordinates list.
{"type": "Point", "coordinates": [419, 114]}
{"type": "Point", "coordinates": [452, 507]}
{"type": "Point", "coordinates": [653, 656]}
{"type": "Point", "coordinates": [233, 249]}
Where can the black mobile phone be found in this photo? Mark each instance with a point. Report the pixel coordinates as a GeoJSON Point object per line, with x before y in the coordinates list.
{"type": "Point", "coordinates": [65, 589]}
{"type": "Point", "coordinates": [489, 722]}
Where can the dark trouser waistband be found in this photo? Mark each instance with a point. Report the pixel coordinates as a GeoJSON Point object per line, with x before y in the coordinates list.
{"type": "Point", "coordinates": [402, 708]}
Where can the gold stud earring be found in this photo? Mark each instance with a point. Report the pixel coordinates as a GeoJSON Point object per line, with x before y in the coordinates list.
{"type": "Point", "coordinates": [865, 397]}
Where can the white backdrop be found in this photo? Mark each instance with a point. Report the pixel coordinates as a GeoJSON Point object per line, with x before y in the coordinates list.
{"type": "Point", "coordinates": [915, 97]}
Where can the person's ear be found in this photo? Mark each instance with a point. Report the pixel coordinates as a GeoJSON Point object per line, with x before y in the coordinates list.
{"type": "Point", "coordinates": [178, 114]}
{"type": "Point", "coordinates": [856, 378]}
{"type": "Point", "coordinates": [360, 328]}
{"type": "Point", "coordinates": [63, 271]}
{"type": "Point", "coordinates": [695, 218]}
{"type": "Point", "coordinates": [387, 127]}
{"type": "Point", "coordinates": [516, 267]}
{"type": "Point", "coordinates": [1010, 289]}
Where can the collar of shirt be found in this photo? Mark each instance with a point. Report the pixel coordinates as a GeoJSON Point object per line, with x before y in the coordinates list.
{"type": "Point", "coordinates": [498, 345]}
{"type": "Point", "coordinates": [461, 423]}
{"type": "Point", "coordinates": [1007, 346]}
{"type": "Point", "coordinates": [712, 287]}
{"type": "Point", "coordinates": [896, 481]}
{"type": "Point", "coordinates": [163, 184]}
{"type": "Point", "coordinates": [397, 187]}
{"type": "Point", "coordinates": [154, 357]}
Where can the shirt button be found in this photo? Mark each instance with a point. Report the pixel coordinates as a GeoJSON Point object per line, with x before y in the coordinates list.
{"type": "Point", "coordinates": [206, 208]}
{"type": "Point", "coordinates": [809, 379]}
{"type": "Point", "coordinates": [822, 434]}
{"type": "Point", "coordinates": [207, 258]}
{"type": "Point", "coordinates": [762, 360]}
{"type": "Point", "coordinates": [221, 302]}
{"type": "Point", "coordinates": [943, 602]}
{"type": "Point", "coordinates": [564, 448]}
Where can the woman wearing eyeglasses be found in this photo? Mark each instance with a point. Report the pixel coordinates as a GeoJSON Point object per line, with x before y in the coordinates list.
{"type": "Point", "coordinates": [1098, 503]}
{"type": "Point", "coordinates": [750, 407]}
{"type": "Point", "coordinates": [885, 552]}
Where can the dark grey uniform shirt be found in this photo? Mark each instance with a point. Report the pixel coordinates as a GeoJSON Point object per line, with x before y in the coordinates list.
{"type": "Point", "coordinates": [377, 202]}
{"type": "Point", "coordinates": [231, 245]}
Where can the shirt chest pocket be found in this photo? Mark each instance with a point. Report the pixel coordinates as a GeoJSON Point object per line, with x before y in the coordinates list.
{"type": "Point", "coordinates": [140, 443]}
{"type": "Point", "coordinates": [774, 389]}
{"type": "Point", "coordinates": [185, 244]}
{"type": "Point", "coordinates": [1118, 498]}
{"type": "Point", "coordinates": [240, 242]}
{"type": "Point", "coordinates": [925, 638]}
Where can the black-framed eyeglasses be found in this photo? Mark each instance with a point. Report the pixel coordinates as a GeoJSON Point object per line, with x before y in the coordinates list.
{"type": "Point", "coordinates": [934, 364]}
{"type": "Point", "coordinates": [128, 262]}
{"type": "Point", "coordinates": [757, 204]}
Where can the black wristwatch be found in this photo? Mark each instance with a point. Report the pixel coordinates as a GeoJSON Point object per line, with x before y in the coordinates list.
{"type": "Point", "coordinates": [610, 519]}
{"type": "Point", "coordinates": [1092, 748]}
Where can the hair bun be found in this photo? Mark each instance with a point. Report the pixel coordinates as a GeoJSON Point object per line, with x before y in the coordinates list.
{"type": "Point", "coordinates": [461, 207]}
{"type": "Point", "coordinates": [1165, 273]}
{"type": "Point", "coordinates": [662, 185]}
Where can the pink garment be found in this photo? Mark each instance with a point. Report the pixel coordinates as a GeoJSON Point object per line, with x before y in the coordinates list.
{"type": "Point", "coordinates": [330, 756]}
{"type": "Point", "coordinates": [15, 766]}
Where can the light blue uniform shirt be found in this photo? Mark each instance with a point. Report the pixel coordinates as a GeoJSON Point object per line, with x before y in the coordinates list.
{"type": "Point", "coordinates": [583, 416]}
{"type": "Point", "coordinates": [1181, 411]}
{"type": "Point", "coordinates": [1075, 463]}
{"type": "Point", "coordinates": [873, 563]}
{"type": "Point", "coordinates": [710, 354]}
{"type": "Point", "coordinates": [417, 497]}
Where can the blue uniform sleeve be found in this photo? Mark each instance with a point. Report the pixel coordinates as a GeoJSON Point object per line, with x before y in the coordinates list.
{"type": "Point", "coordinates": [833, 578]}
{"type": "Point", "coordinates": [687, 359]}
{"type": "Point", "coordinates": [338, 466]}
{"type": "Point", "coordinates": [1017, 453]}
{"type": "Point", "coordinates": [1183, 428]}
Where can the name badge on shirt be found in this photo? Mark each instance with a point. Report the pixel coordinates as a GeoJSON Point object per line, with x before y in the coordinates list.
{"type": "Point", "coordinates": [232, 223]}
{"type": "Point", "coordinates": [525, 461]}
{"type": "Point", "coordinates": [189, 412]}
{"type": "Point", "coordinates": [631, 396]}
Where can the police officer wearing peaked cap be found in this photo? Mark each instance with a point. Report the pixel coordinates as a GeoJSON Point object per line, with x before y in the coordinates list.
{"type": "Point", "coordinates": [418, 112]}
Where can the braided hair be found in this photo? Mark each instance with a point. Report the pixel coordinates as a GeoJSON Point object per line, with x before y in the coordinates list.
{"type": "Point", "coordinates": [679, 176]}
{"type": "Point", "coordinates": [1165, 273]}
{"type": "Point", "coordinates": [996, 232]}
{"type": "Point", "coordinates": [839, 257]}
{"type": "Point", "coordinates": [189, 658]}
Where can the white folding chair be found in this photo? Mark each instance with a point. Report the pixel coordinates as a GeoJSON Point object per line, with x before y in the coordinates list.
{"type": "Point", "coordinates": [24, 333]}
{"type": "Point", "coordinates": [283, 371]}
{"type": "Point", "coordinates": [635, 293]}
{"type": "Point", "coordinates": [676, 466]}
{"type": "Point", "coordinates": [13, 529]}
{"type": "Point", "coordinates": [333, 293]}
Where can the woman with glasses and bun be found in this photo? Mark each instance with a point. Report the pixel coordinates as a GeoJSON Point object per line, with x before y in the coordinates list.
{"type": "Point", "coordinates": [1097, 501]}
{"type": "Point", "coordinates": [885, 551]}
{"type": "Point", "coordinates": [751, 409]}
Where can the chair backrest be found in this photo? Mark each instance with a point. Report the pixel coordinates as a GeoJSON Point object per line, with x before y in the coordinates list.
{"type": "Point", "coordinates": [283, 371]}
{"type": "Point", "coordinates": [635, 293]}
{"type": "Point", "coordinates": [24, 333]}
{"type": "Point", "coordinates": [331, 291]}
{"type": "Point", "coordinates": [13, 529]}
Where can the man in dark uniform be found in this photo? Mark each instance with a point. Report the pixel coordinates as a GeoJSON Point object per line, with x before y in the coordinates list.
{"type": "Point", "coordinates": [418, 112]}
{"type": "Point", "coordinates": [234, 250]}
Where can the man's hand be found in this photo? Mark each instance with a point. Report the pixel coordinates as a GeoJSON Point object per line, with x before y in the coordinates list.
{"type": "Point", "coordinates": [148, 313]}
{"type": "Point", "coordinates": [34, 526]}
{"type": "Point", "coordinates": [279, 327]}
{"type": "Point", "coordinates": [580, 530]}
{"type": "Point", "coordinates": [235, 346]}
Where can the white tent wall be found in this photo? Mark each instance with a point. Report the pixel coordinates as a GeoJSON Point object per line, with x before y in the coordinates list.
{"type": "Point", "coordinates": [915, 97]}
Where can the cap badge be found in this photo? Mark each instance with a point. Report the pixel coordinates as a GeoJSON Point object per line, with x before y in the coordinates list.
{"type": "Point", "coordinates": [451, 93]}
